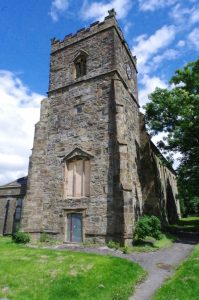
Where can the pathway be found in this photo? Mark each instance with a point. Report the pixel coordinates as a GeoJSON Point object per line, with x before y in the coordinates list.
{"type": "Point", "coordinates": [159, 264]}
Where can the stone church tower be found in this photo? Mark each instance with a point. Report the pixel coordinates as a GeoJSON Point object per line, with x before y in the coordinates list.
{"type": "Point", "coordinates": [91, 174]}
{"type": "Point", "coordinates": [83, 179]}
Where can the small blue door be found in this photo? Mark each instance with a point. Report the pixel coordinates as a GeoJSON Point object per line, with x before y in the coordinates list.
{"type": "Point", "coordinates": [74, 228]}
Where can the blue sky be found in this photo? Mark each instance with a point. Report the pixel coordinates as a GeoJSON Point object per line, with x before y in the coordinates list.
{"type": "Point", "coordinates": [163, 34]}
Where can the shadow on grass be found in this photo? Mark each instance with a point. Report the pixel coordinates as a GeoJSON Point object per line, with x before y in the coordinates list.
{"type": "Point", "coordinates": [185, 225]}
{"type": "Point", "coordinates": [144, 243]}
{"type": "Point", "coordinates": [191, 222]}
{"type": "Point", "coordinates": [186, 230]}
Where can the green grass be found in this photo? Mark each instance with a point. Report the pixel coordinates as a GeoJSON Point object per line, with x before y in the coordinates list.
{"type": "Point", "coordinates": [150, 244]}
{"type": "Point", "coordinates": [184, 285]}
{"type": "Point", "coordinates": [166, 241]}
{"type": "Point", "coordinates": [190, 224]}
{"type": "Point", "coordinates": [31, 273]}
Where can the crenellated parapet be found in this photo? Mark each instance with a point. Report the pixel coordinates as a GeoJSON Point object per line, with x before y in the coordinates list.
{"type": "Point", "coordinates": [87, 32]}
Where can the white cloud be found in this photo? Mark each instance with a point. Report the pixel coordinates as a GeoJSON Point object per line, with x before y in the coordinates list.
{"type": "Point", "coordinates": [180, 13]}
{"type": "Point", "coordinates": [127, 27]}
{"type": "Point", "coordinates": [151, 5]}
{"type": "Point", "coordinates": [57, 7]}
{"type": "Point", "coordinates": [98, 10]}
{"type": "Point", "coordinates": [148, 86]}
{"type": "Point", "coordinates": [194, 38]}
{"type": "Point", "coordinates": [181, 43]}
{"type": "Point", "coordinates": [19, 111]}
{"type": "Point", "coordinates": [146, 47]}
{"type": "Point", "coordinates": [184, 15]}
{"type": "Point", "coordinates": [194, 18]}
{"type": "Point", "coordinates": [169, 54]}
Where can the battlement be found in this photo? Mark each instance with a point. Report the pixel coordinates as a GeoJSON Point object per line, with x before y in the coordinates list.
{"type": "Point", "coordinates": [83, 33]}
{"type": "Point", "coordinates": [86, 32]}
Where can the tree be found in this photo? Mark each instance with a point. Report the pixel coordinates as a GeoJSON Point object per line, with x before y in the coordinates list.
{"type": "Point", "coordinates": [175, 112]}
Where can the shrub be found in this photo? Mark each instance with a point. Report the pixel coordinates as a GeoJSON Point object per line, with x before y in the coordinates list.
{"type": "Point", "coordinates": [21, 237]}
{"type": "Point", "coordinates": [155, 227]}
{"type": "Point", "coordinates": [113, 245]}
{"type": "Point", "coordinates": [44, 237]}
{"type": "Point", "coordinates": [148, 226]}
{"type": "Point", "coordinates": [125, 250]}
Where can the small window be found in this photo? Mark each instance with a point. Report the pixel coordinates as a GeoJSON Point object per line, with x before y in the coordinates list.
{"type": "Point", "coordinates": [79, 108]}
{"type": "Point", "coordinates": [78, 178]}
{"type": "Point", "coordinates": [80, 66]}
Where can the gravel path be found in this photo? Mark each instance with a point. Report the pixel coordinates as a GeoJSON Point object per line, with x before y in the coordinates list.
{"type": "Point", "coordinates": [159, 264]}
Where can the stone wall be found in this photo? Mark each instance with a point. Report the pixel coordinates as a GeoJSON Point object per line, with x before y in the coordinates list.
{"type": "Point", "coordinates": [95, 116]}
{"type": "Point", "coordinates": [158, 180]}
{"type": "Point", "coordinates": [8, 198]}
{"type": "Point", "coordinates": [107, 129]}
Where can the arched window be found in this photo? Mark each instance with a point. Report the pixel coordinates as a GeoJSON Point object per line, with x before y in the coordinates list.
{"type": "Point", "coordinates": [18, 209]}
{"type": "Point", "coordinates": [80, 64]}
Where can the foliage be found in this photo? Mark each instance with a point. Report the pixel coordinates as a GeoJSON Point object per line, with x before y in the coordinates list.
{"type": "Point", "coordinates": [166, 241]}
{"type": "Point", "coordinates": [35, 273]}
{"type": "Point", "coordinates": [190, 224]}
{"type": "Point", "coordinates": [113, 245]}
{"type": "Point", "coordinates": [21, 237]}
{"type": "Point", "coordinates": [44, 237]}
{"type": "Point", "coordinates": [148, 226]}
{"type": "Point", "coordinates": [125, 250]}
{"type": "Point", "coordinates": [175, 112]}
{"type": "Point", "coordinates": [150, 244]}
{"type": "Point", "coordinates": [183, 284]}
{"type": "Point", "coordinates": [194, 204]}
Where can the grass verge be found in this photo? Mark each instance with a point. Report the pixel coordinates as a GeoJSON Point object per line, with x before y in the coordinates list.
{"type": "Point", "coordinates": [190, 224]}
{"type": "Point", "coordinates": [184, 284]}
{"type": "Point", "coordinates": [151, 244]}
{"type": "Point", "coordinates": [32, 274]}
{"type": "Point", "coordinates": [146, 245]}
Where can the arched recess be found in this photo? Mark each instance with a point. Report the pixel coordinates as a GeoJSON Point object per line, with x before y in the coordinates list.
{"type": "Point", "coordinates": [80, 64]}
{"type": "Point", "coordinates": [77, 174]}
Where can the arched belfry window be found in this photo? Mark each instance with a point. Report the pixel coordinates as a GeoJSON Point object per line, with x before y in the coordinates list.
{"type": "Point", "coordinates": [80, 63]}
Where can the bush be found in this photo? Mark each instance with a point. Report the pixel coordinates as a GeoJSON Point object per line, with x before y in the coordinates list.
{"type": "Point", "coordinates": [113, 245]}
{"type": "Point", "coordinates": [148, 226]}
{"type": "Point", "coordinates": [125, 250]}
{"type": "Point", "coordinates": [44, 237]}
{"type": "Point", "coordinates": [194, 203]}
{"type": "Point", "coordinates": [21, 237]}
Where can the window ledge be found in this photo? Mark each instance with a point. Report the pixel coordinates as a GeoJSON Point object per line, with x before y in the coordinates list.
{"type": "Point", "coordinates": [76, 198]}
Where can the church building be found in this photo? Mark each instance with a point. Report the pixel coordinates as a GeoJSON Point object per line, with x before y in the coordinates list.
{"type": "Point", "coordinates": [93, 170]}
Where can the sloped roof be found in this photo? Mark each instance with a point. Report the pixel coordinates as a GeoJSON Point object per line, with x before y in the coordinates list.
{"type": "Point", "coordinates": [17, 183]}
{"type": "Point", "coordinates": [15, 188]}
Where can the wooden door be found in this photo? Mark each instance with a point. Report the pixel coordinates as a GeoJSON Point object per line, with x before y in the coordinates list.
{"type": "Point", "coordinates": [74, 227]}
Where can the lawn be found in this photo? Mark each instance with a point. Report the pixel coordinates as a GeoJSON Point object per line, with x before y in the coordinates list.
{"type": "Point", "coordinates": [31, 273]}
{"type": "Point", "coordinates": [151, 244]}
{"type": "Point", "coordinates": [190, 224]}
{"type": "Point", "coordinates": [184, 285]}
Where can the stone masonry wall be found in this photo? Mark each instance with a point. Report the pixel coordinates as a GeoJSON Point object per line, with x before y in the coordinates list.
{"type": "Point", "coordinates": [8, 197]}
{"type": "Point", "coordinates": [127, 134]}
{"type": "Point", "coordinates": [107, 129]}
{"type": "Point", "coordinates": [159, 187]}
